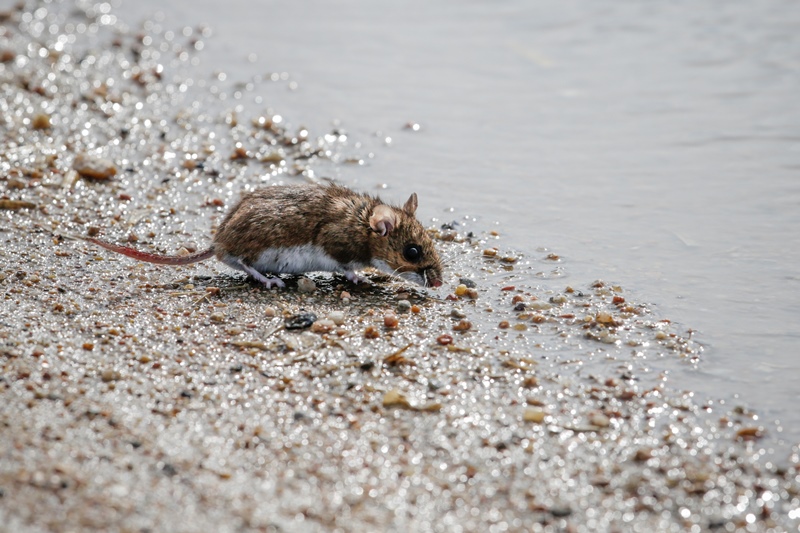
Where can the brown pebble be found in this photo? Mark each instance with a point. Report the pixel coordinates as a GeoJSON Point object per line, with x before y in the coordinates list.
{"type": "Point", "coordinates": [322, 326]}
{"type": "Point", "coordinates": [390, 320]}
{"type": "Point", "coordinates": [503, 325]}
{"type": "Point", "coordinates": [490, 253]}
{"type": "Point", "coordinates": [371, 333]}
{"type": "Point", "coordinates": [750, 433]}
{"type": "Point", "coordinates": [345, 295]}
{"type": "Point", "coordinates": [88, 346]}
{"type": "Point", "coordinates": [517, 299]}
{"type": "Point", "coordinates": [94, 167]}
{"type": "Point", "coordinates": [444, 340]}
{"type": "Point", "coordinates": [643, 454]}
{"type": "Point", "coordinates": [415, 309]}
{"type": "Point", "coordinates": [13, 205]}
{"type": "Point", "coordinates": [463, 325]}
{"type": "Point", "coordinates": [41, 121]}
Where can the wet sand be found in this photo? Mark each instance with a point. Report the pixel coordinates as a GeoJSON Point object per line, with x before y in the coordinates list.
{"type": "Point", "coordinates": [136, 397]}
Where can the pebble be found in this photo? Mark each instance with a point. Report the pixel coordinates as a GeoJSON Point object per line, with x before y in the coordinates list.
{"type": "Point", "coordinates": [270, 312]}
{"type": "Point", "coordinates": [457, 313]}
{"type": "Point", "coordinates": [306, 285]}
{"type": "Point", "coordinates": [323, 326]}
{"type": "Point", "coordinates": [490, 253]}
{"type": "Point", "coordinates": [535, 415]}
{"type": "Point", "coordinates": [371, 333]}
{"type": "Point", "coordinates": [596, 418]}
{"type": "Point", "coordinates": [403, 306]}
{"type": "Point", "coordinates": [337, 317]}
{"type": "Point", "coordinates": [300, 321]}
{"type": "Point", "coordinates": [461, 290]}
{"type": "Point", "coordinates": [390, 320]}
{"type": "Point", "coordinates": [94, 167]}
{"type": "Point", "coordinates": [604, 318]}
{"type": "Point", "coordinates": [463, 325]}
{"type": "Point", "coordinates": [109, 375]}
{"type": "Point", "coordinates": [444, 340]}
{"type": "Point", "coordinates": [41, 121]}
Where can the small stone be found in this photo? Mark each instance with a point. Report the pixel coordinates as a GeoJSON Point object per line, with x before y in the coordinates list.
{"type": "Point", "coordinates": [472, 294]}
{"type": "Point", "coordinates": [371, 333]}
{"type": "Point", "coordinates": [306, 285]}
{"type": "Point", "coordinates": [323, 326]}
{"type": "Point", "coordinates": [337, 317]}
{"type": "Point", "coordinates": [604, 317]}
{"type": "Point", "coordinates": [109, 375]}
{"type": "Point", "coordinates": [395, 398]}
{"type": "Point", "coordinates": [534, 414]}
{"type": "Point", "coordinates": [503, 325]}
{"type": "Point", "coordinates": [403, 306]}
{"type": "Point", "coordinates": [94, 167]}
{"type": "Point", "coordinates": [489, 253]}
{"type": "Point", "coordinates": [457, 313]}
{"type": "Point", "coordinates": [468, 283]}
{"type": "Point", "coordinates": [88, 346]}
{"type": "Point", "coordinates": [300, 321]}
{"type": "Point", "coordinates": [390, 320]}
{"type": "Point", "coordinates": [461, 290]}
{"type": "Point", "coordinates": [643, 454]}
{"type": "Point", "coordinates": [41, 121]}
{"type": "Point", "coordinates": [463, 325]}
{"type": "Point", "coordinates": [415, 309]}
{"type": "Point", "coordinates": [345, 295]}
{"type": "Point", "coordinates": [444, 340]}
{"type": "Point", "coordinates": [270, 312]}
{"type": "Point", "coordinates": [217, 317]}
{"type": "Point", "coordinates": [596, 418]}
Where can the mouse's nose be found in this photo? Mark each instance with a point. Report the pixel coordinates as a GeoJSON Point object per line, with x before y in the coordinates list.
{"type": "Point", "coordinates": [435, 283]}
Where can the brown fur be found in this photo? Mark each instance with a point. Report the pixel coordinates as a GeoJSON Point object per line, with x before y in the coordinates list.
{"type": "Point", "coordinates": [333, 217]}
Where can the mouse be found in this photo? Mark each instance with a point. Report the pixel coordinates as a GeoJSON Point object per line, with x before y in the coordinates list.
{"type": "Point", "coordinates": [293, 229]}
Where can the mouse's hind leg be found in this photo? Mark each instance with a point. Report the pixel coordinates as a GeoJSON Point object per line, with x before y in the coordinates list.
{"type": "Point", "coordinates": [258, 276]}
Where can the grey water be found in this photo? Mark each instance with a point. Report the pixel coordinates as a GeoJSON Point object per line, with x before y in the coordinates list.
{"type": "Point", "coordinates": [656, 145]}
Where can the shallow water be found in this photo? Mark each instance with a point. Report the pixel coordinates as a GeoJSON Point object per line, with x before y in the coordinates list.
{"type": "Point", "coordinates": [653, 145]}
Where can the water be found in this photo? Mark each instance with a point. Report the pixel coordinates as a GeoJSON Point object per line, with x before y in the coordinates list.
{"type": "Point", "coordinates": [656, 146]}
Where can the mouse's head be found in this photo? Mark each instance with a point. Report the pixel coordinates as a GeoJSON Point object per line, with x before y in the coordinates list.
{"type": "Point", "coordinates": [401, 246]}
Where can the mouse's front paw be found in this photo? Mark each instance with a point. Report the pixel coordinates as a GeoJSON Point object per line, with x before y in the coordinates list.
{"type": "Point", "coordinates": [274, 282]}
{"type": "Point", "coordinates": [354, 278]}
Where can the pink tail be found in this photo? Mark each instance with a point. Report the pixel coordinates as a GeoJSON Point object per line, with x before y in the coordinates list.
{"type": "Point", "coordinates": [154, 258]}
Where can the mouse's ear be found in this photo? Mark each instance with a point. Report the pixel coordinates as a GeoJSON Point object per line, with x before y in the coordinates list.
{"type": "Point", "coordinates": [383, 219]}
{"type": "Point", "coordinates": [411, 205]}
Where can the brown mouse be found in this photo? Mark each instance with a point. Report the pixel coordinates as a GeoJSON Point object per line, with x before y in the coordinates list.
{"type": "Point", "coordinates": [292, 229]}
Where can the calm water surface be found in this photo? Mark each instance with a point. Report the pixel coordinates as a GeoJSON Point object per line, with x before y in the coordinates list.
{"type": "Point", "coordinates": [653, 145]}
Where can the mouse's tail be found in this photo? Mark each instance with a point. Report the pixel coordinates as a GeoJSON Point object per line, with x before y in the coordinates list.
{"type": "Point", "coordinates": [154, 258]}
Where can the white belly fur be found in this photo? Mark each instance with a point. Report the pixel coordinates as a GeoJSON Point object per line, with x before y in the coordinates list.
{"type": "Point", "coordinates": [298, 259]}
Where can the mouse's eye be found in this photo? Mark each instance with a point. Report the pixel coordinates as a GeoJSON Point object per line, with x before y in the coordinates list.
{"type": "Point", "coordinates": [412, 253]}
